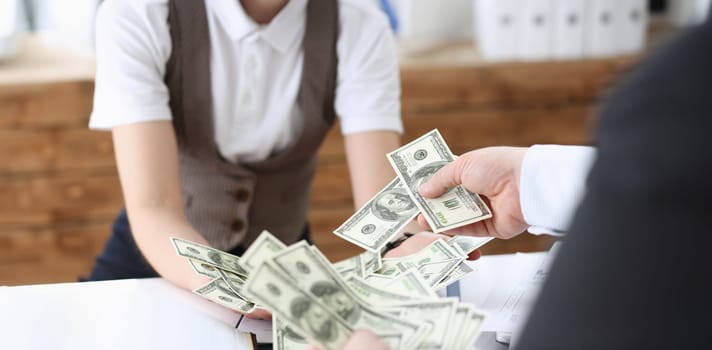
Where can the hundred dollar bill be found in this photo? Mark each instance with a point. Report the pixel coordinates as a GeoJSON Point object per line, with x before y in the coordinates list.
{"type": "Point", "coordinates": [458, 273]}
{"type": "Point", "coordinates": [370, 262]}
{"type": "Point", "coordinates": [297, 309]}
{"type": "Point", "coordinates": [436, 313]}
{"type": "Point", "coordinates": [218, 291]}
{"type": "Point", "coordinates": [234, 282]}
{"type": "Point", "coordinates": [362, 265]}
{"type": "Point", "coordinates": [459, 321]}
{"type": "Point", "coordinates": [378, 280]}
{"type": "Point", "coordinates": [204, 269]}
{"type": "Point", "coordinates": [412, 283]}
{"type": "Point", "coordinates": [260, 250]}
{"type": "Point", "coordinates": [436, 251]}
{"type": "Point", "coordinates": [379, 220]}
{"type": "Point", "coordinates": [433, 263]}
{"type": "Point", "coordinates": [208, 255]}
{"type": "Point", "coordinates": [348, 266]}
{"type": "Point", "coordinates": [403, 328]}
{"type": "Point", "coordinates": [375, 296]}
{"type": "Point", "coordinates": [415, 163]}
{"type": "Point", "coordinates": [285, 338]}
{"type": "Point", "coordinates": [468, 244]}
{"type": "Point", "coordinates": [431, 273]}
{"type": "Point", "coordinates": [471, 328]}
{"type": "Point", "coordinates": [311, 272]}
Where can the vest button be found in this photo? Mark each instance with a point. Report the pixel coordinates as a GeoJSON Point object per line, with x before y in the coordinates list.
{"type": "Point", "coordinates": [237, 225]}
{"type": "Point", "coordinates": [242, 195]}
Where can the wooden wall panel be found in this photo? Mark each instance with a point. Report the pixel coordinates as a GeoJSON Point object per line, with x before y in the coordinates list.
{"type": "Point", "coordinates": [46, 105]}
{"type": "Point", "coordinates": [46, 150]}
{"type": "Point", "coordinates": [48, 254]}
{"type": "Point", "coordinates": [322, 222]}
{"type": "Point", "coordinates": [57, 199]}
{"type": "Point", "coordinates": [465, 130]}
{"type": "Point", "coordinates": [508, 84]}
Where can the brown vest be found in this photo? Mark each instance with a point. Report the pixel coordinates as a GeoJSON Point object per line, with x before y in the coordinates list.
{"type": "Point", "coordinates": [231, 204]}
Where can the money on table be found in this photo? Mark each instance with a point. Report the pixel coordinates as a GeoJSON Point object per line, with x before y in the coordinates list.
{"type": "Point", "coordinates": [315, 301]}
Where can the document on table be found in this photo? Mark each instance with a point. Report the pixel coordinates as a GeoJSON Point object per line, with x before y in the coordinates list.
{"type": "Point", "coordinates": [512, 288]}
{"type": "Point", "coordinates": [124, 314]}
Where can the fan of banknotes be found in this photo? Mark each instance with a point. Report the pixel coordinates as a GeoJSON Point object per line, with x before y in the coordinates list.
{"type": "Point", "coordinates": [315, 301]}
{"type": "Point", "coordinates": [391, 209]}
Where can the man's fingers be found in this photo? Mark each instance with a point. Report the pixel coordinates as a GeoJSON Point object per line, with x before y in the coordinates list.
{"type": "Point", "coordinates": [474, 255]}
{"type": "Point", "coordinates": [414, 244]}
{"type": "Point", "coordinates": [422, 222]}
{"type": "Point", "coordinates": [444, 179]}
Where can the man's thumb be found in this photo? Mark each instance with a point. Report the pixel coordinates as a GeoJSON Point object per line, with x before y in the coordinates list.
{"type": "Point", "coordinates": [443, 180]}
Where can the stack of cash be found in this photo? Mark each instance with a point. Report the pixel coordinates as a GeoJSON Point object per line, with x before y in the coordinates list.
{"type": "Point", "coordinates": [313, 301]}
{"type": "Point", "coordinates": [439, 264]}
{"type": "Point", "coordinates": [391, 209]}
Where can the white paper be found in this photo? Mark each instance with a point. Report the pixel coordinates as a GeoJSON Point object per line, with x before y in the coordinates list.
{"type": "Point", "coordinates": [123, 314]}
{"type": "Point", "coordinates": [506, 287]}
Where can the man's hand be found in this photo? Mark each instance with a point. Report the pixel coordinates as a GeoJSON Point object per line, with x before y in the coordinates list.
{"type": "Point", "coordinates": [493, 173]}
{"type": "Point", "coordinates": [419, 241]}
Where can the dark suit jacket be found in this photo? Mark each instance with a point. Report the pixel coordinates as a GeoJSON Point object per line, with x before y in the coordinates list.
{"type": "Point", "coordinates": [635, 271]}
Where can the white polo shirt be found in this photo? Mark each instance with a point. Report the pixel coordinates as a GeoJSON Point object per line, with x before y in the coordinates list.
{"type": "Point", "coordinates": [255, 71]}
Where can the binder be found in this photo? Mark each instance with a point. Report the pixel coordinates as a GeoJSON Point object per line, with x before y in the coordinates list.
{"type": "Point", "coordinates": [8, 17]}
{"type": "Point", "coordinates": [12, 25]}
{"type": "Point", "coordinates": [632, 23]}
{"type": "Point", "coordinates": [445, 19]}
{"type": "Point", "coordinates": [535, 30]}
{"type": "Point", "coordinates": [567, 29]}
{"type": "Point", "coordinates": [424, 24]}
{"type": "Point", "coordinates": [600, 28]}
{"type": "Point", "coordinates": [496, 23]}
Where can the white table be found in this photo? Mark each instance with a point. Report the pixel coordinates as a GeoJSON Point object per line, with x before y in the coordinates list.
{"type": "Point", "coordinates": [122, 315]}
{"type": "Point", "coordinates": [153, 314]}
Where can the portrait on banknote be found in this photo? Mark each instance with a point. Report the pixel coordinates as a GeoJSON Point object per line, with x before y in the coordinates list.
{"type": "Point", "coordinates": [393, 205]}
{"type": "Point", "coordinates": [314, 318]}
{"type": "Point", "coordinates": [337, 300]}
{"type": "Point", "coordinates": [289, 333]}
{"type": "Point", "coordinates": [424, 174]}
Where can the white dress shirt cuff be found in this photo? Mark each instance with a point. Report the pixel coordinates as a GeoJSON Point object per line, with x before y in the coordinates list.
{"type": "Point", "coordinates": [552, 184]}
